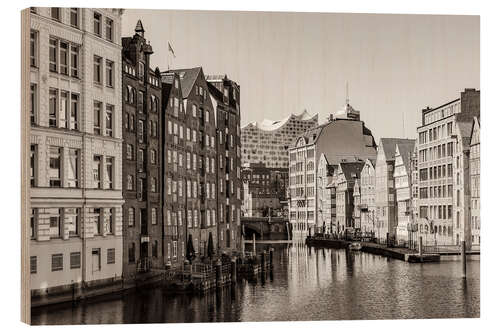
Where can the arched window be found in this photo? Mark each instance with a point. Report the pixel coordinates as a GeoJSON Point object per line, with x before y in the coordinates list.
{"type": "Point", "coordinates": [128, 92]}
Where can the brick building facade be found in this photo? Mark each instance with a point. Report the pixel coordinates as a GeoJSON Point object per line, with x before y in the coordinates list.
{"type": "Point", "coordinates": [190, 174]}
{"type": "Point", "coordinates": [225, 96]}
{"type": "Point", "coordinates": [142, 236]}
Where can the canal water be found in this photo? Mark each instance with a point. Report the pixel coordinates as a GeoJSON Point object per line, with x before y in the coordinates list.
{"type": "Point", "coordinates": [305, 284]}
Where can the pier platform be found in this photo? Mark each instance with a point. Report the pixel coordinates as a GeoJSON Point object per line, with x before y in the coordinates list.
{"type": "Point", "coordinates": [403, 254]}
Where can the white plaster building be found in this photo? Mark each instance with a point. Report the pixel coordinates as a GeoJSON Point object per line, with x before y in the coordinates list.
{"type": "Point", "coordinates": [75, 142]}
{"type": "Point", "coordinates": [402, 184]}
{"type": "Point", "coordinates": [385, 192]}
{"type": "Point", "coordinates": [443, 170]}
{"type": "Point", "coordinates": [325, 177]}
{"type": "Point", "coordinates": [344, 138]}
{"type": "Point", "coordinates": [475, 181]}
{"type": "Point", "coordinates": [367, 204]}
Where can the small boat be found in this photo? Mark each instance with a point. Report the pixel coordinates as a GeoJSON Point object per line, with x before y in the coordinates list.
{"type": "Point", "coordinates": [355, 246]}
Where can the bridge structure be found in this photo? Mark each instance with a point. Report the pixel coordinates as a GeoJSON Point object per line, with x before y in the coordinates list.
{"type": "Point", "coordinates": [265, 228]}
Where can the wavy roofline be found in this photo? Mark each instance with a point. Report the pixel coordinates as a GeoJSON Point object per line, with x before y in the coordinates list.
{"type": "Point", "coordinates": [270, 125]}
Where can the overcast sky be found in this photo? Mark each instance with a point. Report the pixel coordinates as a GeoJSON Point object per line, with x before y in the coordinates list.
{"type": "Point", "coordinates": [286, 62]}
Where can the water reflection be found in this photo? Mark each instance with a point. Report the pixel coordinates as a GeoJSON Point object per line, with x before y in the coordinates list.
{"type": "Point", "coordinates": [305, 284]}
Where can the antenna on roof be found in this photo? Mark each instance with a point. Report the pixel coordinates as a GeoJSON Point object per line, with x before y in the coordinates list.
{"type": "Point", "coordinates": [404, 130]}
{"type": "Point", "coordinates": [347, 92]}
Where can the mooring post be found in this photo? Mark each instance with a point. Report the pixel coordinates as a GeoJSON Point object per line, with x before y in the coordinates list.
{"type": "Point", "coordinates": [387, 240]}
{"type": "Point", "coordinates": [464, 262]}
{"type": "Point", "coordinates": [233, 270]}
{"type": "Point", "coordinates": [254, 249]}
{"type": "Point", "coordinates": [420, 247]}
{"type": "Point", "coordinates": [263, 260]}
{"type": "Point", "coordinates": [218, 272]}
{"type": "Point", "coordinates": [271, 250]}
{"type": "Point", "coordinates": [242, 246]}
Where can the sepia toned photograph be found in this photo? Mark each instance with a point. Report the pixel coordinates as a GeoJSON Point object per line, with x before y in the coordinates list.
{"type": "Point", "coordinates": [193, 166]}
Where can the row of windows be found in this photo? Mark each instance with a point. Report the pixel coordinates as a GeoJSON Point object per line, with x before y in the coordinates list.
{"type": "Point", "coordinates": [109, 71]}
{"type": "Point", "coordinates": [436, 172]}
{"type": "Point", "coordinates": [131, 96]}
{"type": "Point", "coordinates": [57, 260]}
{"type": "Point", "coordinates": [437, 212]}
{"type": "Point", "coordinates": [141, 185]}
{"type": "Point", "coordinates": [106, 30]}
{"type": "Point", "coordinates": [56, 14]}
{"type": "Point", "coordinates": [177, 130]}
{"type": "Point", "coordinates": [131, 216]}
{"type": "Point", "coordinates": [129, 154]}
{"type": "Point", "coordinates": [442, 191]}
{"type": "Point", "coordinates": [69, 220]}
{"type": "Point", "coordinates": [436, 152]}
{"type": "Point", "coordinates": [57, 163]}
{"type": "Point", "coordinates": [436, 133]}
{"type": "Point", "coordinates": [64, 57]}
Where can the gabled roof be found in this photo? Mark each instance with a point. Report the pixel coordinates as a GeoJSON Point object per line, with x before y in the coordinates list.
{"type": "Point", "coordinates": [330, 169]}
{"type": "Point", "coordinates": [312, 134]}
{"type": "Point", "coordinates": [216, 77]}
{"type": "Point", "coordinates": [139, 27]}
{"type": "Point", "coordinates": [370, 161]}
{"type": "Point", "coordinates": [351, 170]}
{"type": "Point", "coordinates": [405, 151]}
{"type": "Point", "coordinates": [476, 126]}
{"type": "Point", "coordinates": [465, 129]}
{"type": "Point", "coordinates": [188, 77]}
{"type": "Point", "coordinates": [216, 93]}
{"type": "Point", "coordinates": [388, 146]}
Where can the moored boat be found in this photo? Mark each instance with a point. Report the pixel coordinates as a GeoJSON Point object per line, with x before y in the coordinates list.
{"type": "Point", "coordinates": [355, 246]}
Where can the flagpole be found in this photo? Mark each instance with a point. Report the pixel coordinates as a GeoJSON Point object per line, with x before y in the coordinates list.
{"type": "Point", "coordinates": [168, 56]}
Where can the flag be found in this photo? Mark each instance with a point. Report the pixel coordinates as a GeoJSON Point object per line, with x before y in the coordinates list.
{"type": "Point", "coordinates": [170, 49]}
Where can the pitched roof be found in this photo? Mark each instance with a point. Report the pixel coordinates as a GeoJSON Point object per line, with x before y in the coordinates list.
{"type": "Point", "coordinates": [405, 151]}
{"type": "Point", "coordinates": [330, 169]}
{"type": "Point", "coordinates": [388, 146]}
{"type": "Point", "coordinates": [465, 129]}
{"type": "Point", "coordinates": [369, 161]}
{"type": "Point", "coordinates": [215, 92]}
{"type": "Point", "coordinates": [139, 27]}
{"type": "Point", "coordinates": [188, 77]}
{"type": "Point", "coordinates": [216, 77]}
{"type": "Point", "coordinates": [351, 169]}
